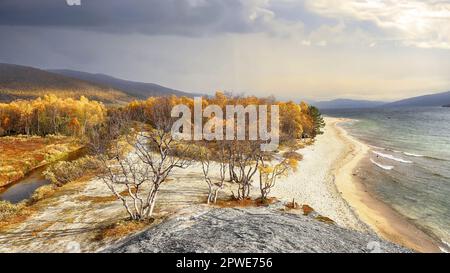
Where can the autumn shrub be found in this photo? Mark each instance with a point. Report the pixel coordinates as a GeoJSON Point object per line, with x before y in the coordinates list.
{"type": "Point", "coordinates": [55, 152]}
{"type": "Point", "coordinates": [293, 155]}
{"type": "Point", "coordinates": [292, 144]}
{"type": "Point", "coordinates": [64, 172]}
{"type": "Point", "coordinates": [185, 150]}
{"type": "Point", "coordinates": [309, 141]}
{"type": "Point", "coordinates": [42, 192]}
{"type": "Point", "coordinates": [8, 209]}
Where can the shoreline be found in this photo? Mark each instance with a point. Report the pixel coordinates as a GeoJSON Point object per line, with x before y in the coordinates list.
{"type": "Point", "coordinates": [379, 216]}
{"type": "Point", "coordinates": [313, 184]}
{"type": "Point", "coordinates": [73, 148]}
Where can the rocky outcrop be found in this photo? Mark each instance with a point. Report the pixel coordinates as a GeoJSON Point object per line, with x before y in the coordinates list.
{"type": "Point", "coordinates": [251, 230]}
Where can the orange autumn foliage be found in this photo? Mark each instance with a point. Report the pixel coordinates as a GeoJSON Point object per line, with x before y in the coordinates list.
{"type": "Point", "coordinates": [50, 115]}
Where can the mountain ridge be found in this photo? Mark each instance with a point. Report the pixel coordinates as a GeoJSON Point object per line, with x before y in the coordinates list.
{"type": "Point", "coordinates": [436, 99]}
{"type": "Point", "coordinates": [24, 82]}
{"type": "Point", "coordinates": [347, 104]}
{"type": "Point", "coordinates": [139, 90]}
{"type": "Point", "coordinates": [430, 100]}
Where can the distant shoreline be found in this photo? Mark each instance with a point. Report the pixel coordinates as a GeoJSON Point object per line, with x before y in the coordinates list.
{"type": "Point", "coordinates": [380, 217]}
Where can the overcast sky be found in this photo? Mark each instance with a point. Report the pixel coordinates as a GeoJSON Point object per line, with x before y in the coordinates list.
{"type": "Point", "coordinates": [319, 49]}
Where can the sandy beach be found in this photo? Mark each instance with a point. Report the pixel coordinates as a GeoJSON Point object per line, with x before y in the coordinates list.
{"type": "Point", "coordinates": [326, 181]}
{"type": "Point", "coordinates": [313, 183]}
{"type": "Point", "coordinates": [381, 218]}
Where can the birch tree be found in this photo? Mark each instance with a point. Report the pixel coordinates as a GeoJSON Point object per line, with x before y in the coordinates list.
{"type": "Point", "coordinates": [153, 157]}
{"type": "Point", "coordinates": [205, 154]}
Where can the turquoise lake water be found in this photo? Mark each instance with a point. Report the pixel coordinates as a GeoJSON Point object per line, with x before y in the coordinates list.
{"type": "Point", "coordinates": [408, 166]}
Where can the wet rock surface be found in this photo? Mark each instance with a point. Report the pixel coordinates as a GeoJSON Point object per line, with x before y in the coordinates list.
{"type": "Point", "coordinates": [251, 230]}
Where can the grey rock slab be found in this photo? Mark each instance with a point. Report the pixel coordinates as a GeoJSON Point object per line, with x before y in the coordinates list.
{"type": "Point", "coordinates": [261, 230]}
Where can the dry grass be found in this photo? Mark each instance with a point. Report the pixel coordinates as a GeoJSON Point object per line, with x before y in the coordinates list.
{"type": "Point", "coordinates": [41, 228]}
{"type": "Point", "coordinates": [70, 220]}
{"type": "Point", "coordinates": [21, 154]}
{"type": "Point", "coordinates": [8, 209]}
{"type": "Point", "coordinates": [12, 215]}
{"type": "Point", "coordinates": [73, 187]}
{"type": "Point", "coordinates": [68, 215]}
{"type": "Point", "coordinates": [292, 144]}
{"type": "Point", "coordinates": [97, 199]}
{"type": "Point", "coordinates": [15, 220]}
{"type": "Point", "coordinates": [103, 199]}
{"type": "Point", "coordinates": [121, 229]}
{"type": "Point", "coordinates": [245, 203]}
{"type": "Point", "coordinates": [64, 172]}
{"type": "Point", "coordinates": [324, 219]}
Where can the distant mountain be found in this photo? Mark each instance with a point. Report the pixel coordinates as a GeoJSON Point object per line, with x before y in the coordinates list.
{"type": "Point", "coordinates": [136, 89]}
{"type": "Point", "coordinates": [23, 82]}
{"type": "Point", "coordinates": [347, 103]}
{"type": "Point", "coordinates": [447, 105]}
{"type": "Point", "coordinates": [427, 100]}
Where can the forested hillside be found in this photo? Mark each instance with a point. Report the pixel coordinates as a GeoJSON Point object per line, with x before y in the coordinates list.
{"type": "Point", "coordinates": [21, 82]}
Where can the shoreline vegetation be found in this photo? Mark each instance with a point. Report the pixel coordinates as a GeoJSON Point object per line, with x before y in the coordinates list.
{"type": "Point", "coordinates": [381, 218]}
{"type": "Point", "coordinates": [35, 152]}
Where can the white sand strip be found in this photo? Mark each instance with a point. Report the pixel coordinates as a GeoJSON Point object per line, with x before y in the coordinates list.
{"type": "Point", "coordinates": [313, 183]}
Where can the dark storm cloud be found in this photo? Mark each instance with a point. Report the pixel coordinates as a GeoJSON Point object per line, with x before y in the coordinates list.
{"type": "Point", "coordinates": [180, 17]}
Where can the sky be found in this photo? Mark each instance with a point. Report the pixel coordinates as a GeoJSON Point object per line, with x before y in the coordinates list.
{"type": "Point", "coordinates": [316, 49]}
